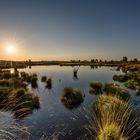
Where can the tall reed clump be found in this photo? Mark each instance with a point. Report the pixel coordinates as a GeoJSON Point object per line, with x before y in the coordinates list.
{"type": "Point", "coordinates": [72, 97]}
{"type": "Point", "coordinates": [113, 119]}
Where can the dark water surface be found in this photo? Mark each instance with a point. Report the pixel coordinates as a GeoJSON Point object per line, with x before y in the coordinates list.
{"type": "Point", "coordinates": [53, 116]}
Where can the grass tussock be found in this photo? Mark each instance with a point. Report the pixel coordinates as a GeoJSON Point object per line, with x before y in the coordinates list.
{"type": "Point", "coordinates": [110, 132]}
{"type": "Point", "coordinates": [19, 101]}
{"type": "Point", "coordinates": [72, 97]}
{"type": "Point", "coordinates": [112, 108]}
{"type": "Point", "coordinates": [120, 78]}
{"type": "Point", "coordinates": [34, 79]}
{"type": "Point", "coordinates": [95, 88]}
{"type": "Point", "coordinates": [132, 84]}
{"type": "Point", "coordinates": [115, 89]}
{"type": "Point", "coordinates": [113, 119]}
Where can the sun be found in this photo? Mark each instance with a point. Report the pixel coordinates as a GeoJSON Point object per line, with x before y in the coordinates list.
{"type": "Point", "coordinates": [11, 48]}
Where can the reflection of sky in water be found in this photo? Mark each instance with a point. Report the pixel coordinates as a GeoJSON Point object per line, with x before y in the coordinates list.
{"type": "Point", "coordinates": [53, 116]}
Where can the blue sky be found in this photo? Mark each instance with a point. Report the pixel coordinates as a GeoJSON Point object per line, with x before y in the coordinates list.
{"type": "Point", "coordinates": [70, 29]}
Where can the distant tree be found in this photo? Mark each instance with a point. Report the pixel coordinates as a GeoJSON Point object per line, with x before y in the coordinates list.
{"type": "Point", "coordinates": [135, 60]}
{"type": "Point", "coordinates": [96, 60]}
{"type": "Point", "coordinates": [29, 61]}
{"type": "Point", "coordinates": [100, 61]}
{"type": "Point", "coordinates": [92, 61]}
{"type": "Point", "coordinates": [125, 59]}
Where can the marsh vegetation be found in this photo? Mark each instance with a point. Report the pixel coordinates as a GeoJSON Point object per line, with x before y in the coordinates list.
{"type": "Point", "coordinates": [15, 97]}
{"type": "Point", "coordinates": [21, 93]}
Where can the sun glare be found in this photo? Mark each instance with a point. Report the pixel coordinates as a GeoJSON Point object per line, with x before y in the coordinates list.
{"type": "Point", "coordinates": [10, 48]}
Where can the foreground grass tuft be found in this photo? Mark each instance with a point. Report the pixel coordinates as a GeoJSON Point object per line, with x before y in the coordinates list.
{"type": "Point", "coordinates": [110, 132]}
{"type": "Point", "coordinates": [113, 119]}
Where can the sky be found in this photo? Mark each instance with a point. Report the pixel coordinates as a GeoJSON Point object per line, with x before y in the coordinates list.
{"type": "Point", "coordinates": [70, 29]}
